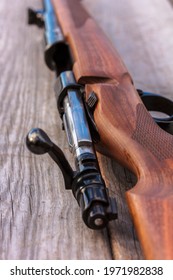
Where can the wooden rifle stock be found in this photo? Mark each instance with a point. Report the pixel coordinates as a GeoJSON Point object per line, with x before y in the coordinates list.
{"type": "Point", "coordinates": [128, 132]}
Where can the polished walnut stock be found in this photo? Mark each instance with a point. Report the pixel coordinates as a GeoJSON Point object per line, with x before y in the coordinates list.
{"type": "Point", "coordinates": [127, 131]}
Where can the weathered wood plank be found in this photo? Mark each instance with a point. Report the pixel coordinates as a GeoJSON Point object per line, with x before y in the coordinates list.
{"type": "Point", "coordinates": [39, 219]}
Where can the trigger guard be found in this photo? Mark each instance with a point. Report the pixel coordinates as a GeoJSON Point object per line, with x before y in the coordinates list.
{"type": "Point", "coordinates": [156, 102]}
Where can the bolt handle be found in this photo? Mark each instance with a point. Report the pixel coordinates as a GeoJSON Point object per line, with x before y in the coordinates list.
{"type": "Point", "coordinates": [86, 184]}
{"type": "Point", "coordinates": [38, 142]}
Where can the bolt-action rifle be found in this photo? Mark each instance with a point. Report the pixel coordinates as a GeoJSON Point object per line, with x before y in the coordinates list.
{"type": "Point", "coordinates": [101, 109]}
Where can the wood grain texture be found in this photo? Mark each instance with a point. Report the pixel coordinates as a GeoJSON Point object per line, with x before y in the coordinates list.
{"type": "Point", "coordinates": [39, 219]}
{"type": "Point", "coordinates": [85, 37]}
{"type": "Point", "coordinates": [148, 152]}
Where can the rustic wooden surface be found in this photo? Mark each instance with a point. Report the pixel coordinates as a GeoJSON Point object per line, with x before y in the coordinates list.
{"type": "Point", "coordinates": [39, 219]}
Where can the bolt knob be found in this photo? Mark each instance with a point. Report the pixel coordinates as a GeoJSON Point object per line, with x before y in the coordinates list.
{"type": "Point", "coordinates": [38, 142]}
{"type": "Point", "coordinates": [35, 17]}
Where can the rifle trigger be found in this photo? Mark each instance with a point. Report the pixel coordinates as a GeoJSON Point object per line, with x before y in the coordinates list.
{"type": "Point", "coordinates": [90, 105]}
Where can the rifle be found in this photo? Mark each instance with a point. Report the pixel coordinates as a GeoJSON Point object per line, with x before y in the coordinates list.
{"type": "Point", "coordinates": [101, 109]}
